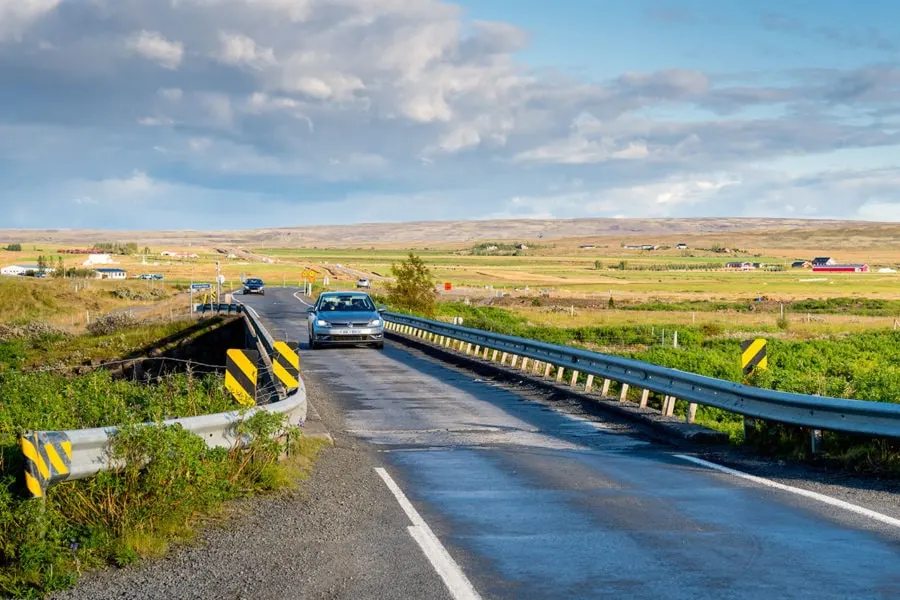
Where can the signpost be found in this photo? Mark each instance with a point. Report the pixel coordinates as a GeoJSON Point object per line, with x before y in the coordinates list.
{"type": "Point", "coordinates": [197, 287]}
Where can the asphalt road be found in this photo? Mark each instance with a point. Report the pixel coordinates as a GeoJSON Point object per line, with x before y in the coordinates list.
{"type": "Point", "coordinates": [529, 502]}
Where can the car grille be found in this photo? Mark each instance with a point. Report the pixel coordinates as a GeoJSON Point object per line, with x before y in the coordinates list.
{"type": "Point", "coordinates": [349, 338]}
{"type": "Point", "coordinates": [356, 324]}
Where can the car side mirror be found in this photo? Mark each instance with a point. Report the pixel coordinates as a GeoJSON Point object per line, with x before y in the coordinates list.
{"type": "Point", "coordinates": [381, 309]}
{"type": "Point", "coordinates": [311, 309]}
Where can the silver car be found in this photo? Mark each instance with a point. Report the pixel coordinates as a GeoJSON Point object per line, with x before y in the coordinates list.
{"type": "Point", "coordinates": [345, 318]}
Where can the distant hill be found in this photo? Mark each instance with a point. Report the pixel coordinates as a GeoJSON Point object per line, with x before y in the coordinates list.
{"type": "Point", "coordinates": [417, 234]}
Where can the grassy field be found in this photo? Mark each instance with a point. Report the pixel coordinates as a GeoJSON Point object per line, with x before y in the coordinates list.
{"type": "Point", "coordinates": [559, 267]}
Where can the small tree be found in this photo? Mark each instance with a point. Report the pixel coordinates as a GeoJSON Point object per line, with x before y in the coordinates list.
{"type": "Point", "coordinates": [413, 287]}
{"type": "Point", "coordinates": [42, 263]}
{"type": "Point", "coordinates": [598, 265]}
{"type": "Point", "coordinates": [14, 247]}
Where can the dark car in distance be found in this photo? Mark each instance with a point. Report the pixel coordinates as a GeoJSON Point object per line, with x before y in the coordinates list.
{"type": "Point", "coordinates": [254, 285]}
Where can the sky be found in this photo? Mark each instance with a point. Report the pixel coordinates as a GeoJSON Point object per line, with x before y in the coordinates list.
{"type": "Point", "coordinates": [236, 114]}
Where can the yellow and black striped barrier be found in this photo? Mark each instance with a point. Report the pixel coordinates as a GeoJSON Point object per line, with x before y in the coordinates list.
{"type": "Point", "coordinates": [48, 459]}
{"type": "Point", "coordinates": [753, 355]}
{"type": "Point", "coordinates": [286, 365]}
{"type": "Point", "coordinates": [241, 375]}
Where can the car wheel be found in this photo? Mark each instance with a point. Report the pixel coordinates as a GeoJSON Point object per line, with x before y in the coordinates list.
{"type": "Point", "coordinates": [313, 344]}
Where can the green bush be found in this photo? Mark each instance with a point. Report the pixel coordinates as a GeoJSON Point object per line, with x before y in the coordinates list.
{"type": "Point", "coordinates": [171, 481]}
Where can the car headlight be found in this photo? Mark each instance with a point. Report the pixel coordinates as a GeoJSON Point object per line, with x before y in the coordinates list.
{"type": "Point", "coordinates": [375, 323]}
{"type": "Point", "coordinates": [321, 323]}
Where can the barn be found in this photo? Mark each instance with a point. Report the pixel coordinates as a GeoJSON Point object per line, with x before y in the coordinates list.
{"type": "Point", "coordinates": [841, 268]}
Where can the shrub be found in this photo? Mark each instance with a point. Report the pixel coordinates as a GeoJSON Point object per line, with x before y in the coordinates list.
{"type": "Point", "coordinates": [112, 323]}
{"type": "Point", "coordinates": [413, 287]}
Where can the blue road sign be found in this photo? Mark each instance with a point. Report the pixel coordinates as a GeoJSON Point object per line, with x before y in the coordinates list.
{"type": "Point", "coordinates": [200, 286]}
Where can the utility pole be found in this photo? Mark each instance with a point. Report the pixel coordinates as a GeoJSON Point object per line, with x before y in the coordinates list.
{"type": "Point", "coordinates": [218, 283]}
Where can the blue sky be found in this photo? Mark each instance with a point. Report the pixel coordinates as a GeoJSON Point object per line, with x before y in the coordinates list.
{"type": "Point", "coordinates": [211, 114]}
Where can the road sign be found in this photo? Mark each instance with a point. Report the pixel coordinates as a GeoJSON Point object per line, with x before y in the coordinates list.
{"type": "Point", "coordinates": [448, 286]}
{"type": "Point", "coordinates": [241, 375]}
{"type": "Point", "coordinates": [48, 459]}
{"type": "Point", "coordinates": [309, 275]}
{"type": "Point", "coordinates": [286, 364]}
{"type": "Point", "coordinates": [753, 355]}
{"type": "Point", "coordinates": [220, 278]}
{"type": "Point", "coordinates": [200, 286]}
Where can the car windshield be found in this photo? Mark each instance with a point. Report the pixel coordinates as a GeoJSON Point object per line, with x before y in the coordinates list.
{"type": "Point", "coordinates": [346, 303]}
{"type": "Point", "coordinates": [254, 281]}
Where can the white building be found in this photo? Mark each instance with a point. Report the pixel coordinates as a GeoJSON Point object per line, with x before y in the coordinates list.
{"type": "Point", "coordinates": [111, 273]}
{"type": "Point", "coordinates": [98, 259]}
{"type": "Point", "coordinates": [23, 269]}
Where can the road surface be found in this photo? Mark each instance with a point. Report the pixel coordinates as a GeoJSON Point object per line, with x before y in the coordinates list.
{"type": "Point", "coordinates": [524, 501]}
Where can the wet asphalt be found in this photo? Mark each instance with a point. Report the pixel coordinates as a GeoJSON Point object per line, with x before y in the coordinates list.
{"type": "Point", "coordinates": [537, 503]}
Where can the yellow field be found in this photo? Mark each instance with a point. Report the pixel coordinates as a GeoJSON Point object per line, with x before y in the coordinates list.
{"type": "Point", "coordinates": [562, 269]}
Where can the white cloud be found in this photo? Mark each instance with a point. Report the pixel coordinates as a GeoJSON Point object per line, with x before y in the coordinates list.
{"type": "Point", "coordinates": [17, 15]}
{"type": "Point", "coordinates": [153, 46]}
{"type": "Point", "coordinates": [171, 94]}
{"type": "Point", "coordinates": [411, 98]}
{"type": "Point", "coordinates": [238, 49]}
{"type": "Point", "coordinates": [155, 121]}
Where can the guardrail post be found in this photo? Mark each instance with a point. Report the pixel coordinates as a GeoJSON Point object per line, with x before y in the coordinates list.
{"type": "Point", "coordinates": [645, 396]}
{"type": "Point", "coordinates": [503, 358]}
{"type": "Point", "coordinates": [469, 348]}
{"type": "Point", "coordinates": [605, 389]}
{"type": "Point", "coordinates": [692, 412]}
{"type": "Point", "coordinates": [441, 341]}
{"type": "Point", "coordinates": [589, 383]}
{"type": "Point", "coordinates": [623, 394]}
{"type": "Point", "coordinates": [574, 381]}
{"type": "Point", "coordinates": [669, 406]}
{"type": "Point", "coordinates": [486, 351]}
{"type": "Point", "coordinates": [559, 373]}
{"type": "Point", "coordinates": [494, 355]}
{"type": "Point", "coordinates": [524, 363]}
{"type": "Point", "coordinates": [477, 350]}
{"type": "Point", "coordinates": [749, 427]}
{"type": "Point", "coordinates": [547, 367]}
{"type": "Point", "coordinates": [815, 441]}
{"type": "Point", "coordinates": [515, 359]}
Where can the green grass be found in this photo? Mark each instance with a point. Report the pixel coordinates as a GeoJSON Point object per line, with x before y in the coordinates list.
{"type": "Point", "coordinates": [173, 483]}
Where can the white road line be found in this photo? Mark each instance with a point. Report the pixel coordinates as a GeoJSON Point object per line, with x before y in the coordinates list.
{"type": "Point", "coordinates": [456, 581]}
{"type": "Point", "coordinates": [301, 299]}
{"type": "Point", "coordinates": [859, 510]}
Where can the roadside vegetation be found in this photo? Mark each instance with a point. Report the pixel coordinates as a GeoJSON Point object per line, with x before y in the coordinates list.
{"type": "Point", "coordinates": [863, 365]}
{"type": "Point", "coordinates": [413, 287]}
{"type": "Point", "coordinates": [71, 302]}
{"type": "Point", "coordinates": [173, 483]}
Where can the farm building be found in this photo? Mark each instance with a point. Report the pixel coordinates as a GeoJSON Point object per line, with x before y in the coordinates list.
{"type": "Point", "coordinates": [111, 274]}
{"type": "Point", "coordinates": [97, 259]}
{"type": "Point", "coordinates": [23, 269]}
{"type": "Point", "coordinates": [822, 261]}
{"type": "Point", "coordinates": [801, 264]}
{"type": "Point", "coordinates": [744, 266]}
{"type": "Point", "coordinates": [833, 268]}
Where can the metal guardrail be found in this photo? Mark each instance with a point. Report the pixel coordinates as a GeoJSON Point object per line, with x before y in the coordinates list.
{"type": "Point", "coordinates": [81, 453]}
{"type": "Point", "coordinates": [879, 419]}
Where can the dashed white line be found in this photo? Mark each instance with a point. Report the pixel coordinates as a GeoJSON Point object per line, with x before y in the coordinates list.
{"type": "Point", "coordinates": [456, 581]}
{"type": "Point", "coordinates": [859, 510]}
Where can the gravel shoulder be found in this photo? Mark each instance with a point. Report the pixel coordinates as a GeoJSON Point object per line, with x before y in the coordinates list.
{"type": "Point", "coordinates": [342, 535]}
